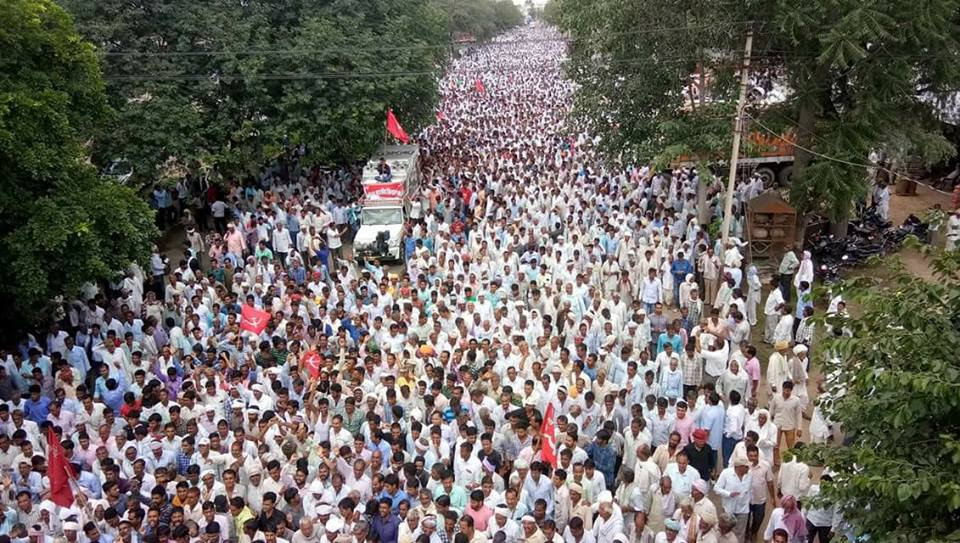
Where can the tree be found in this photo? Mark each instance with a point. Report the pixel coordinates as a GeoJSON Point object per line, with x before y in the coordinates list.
{"type": "Point", "coordinates": [633, 63]}
{"type": "Point", "coordinates": [227, 86]}
{"type": "Point", "coordinates": [480, 18]}
{"type": "Point", "coordinates": [893, 388]}
{"type": "Point", "coordinates": [60, 224]}
{"type": "Point", "coordinates": [552, 12]}
{"type": "Point", "coordinates": [862, 77]}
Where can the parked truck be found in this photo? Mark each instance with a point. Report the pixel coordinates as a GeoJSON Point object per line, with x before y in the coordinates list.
{"type": "Point", "coordinates": [767, 156]}
{"type": "Point", "coordinates": [389, 195]}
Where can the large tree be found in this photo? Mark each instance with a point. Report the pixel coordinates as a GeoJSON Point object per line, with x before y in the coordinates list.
{"type": "Point", "coordinates": [60, 224]}
{"type": "Point", "coordinates": [225, 85]}
{"type": "Point", "coordinates": [894, 389]}
{"type": "Point", "coordinates": [862, 76]}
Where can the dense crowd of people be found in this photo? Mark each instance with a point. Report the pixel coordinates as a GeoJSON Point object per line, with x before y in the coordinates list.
{"type": "Point", "coordinates": [567, 356]}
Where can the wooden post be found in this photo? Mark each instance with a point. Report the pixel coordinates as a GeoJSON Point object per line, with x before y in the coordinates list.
{"type": "Point", "coordinates": [737, 133]}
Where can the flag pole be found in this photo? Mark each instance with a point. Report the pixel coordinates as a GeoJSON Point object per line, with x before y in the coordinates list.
{"type": "Point", "coordinates": [68, 468]}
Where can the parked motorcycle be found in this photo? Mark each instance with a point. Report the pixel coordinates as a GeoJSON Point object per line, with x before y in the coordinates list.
{"type": "Point", "coordinates": [868, 236]}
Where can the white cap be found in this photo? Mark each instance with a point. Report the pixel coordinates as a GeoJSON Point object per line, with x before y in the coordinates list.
{"type": "Point", "coordinates": [335, 524]}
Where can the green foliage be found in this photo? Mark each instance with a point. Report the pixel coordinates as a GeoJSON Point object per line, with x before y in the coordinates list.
{"type": "Point", "coordinates": [225, 85]}
{"type": "Point", "coordinates": [632, 61]}
{"type": "Point", "coordinates": [552, 12]}
{"type": "Point", "coordinates": [894, 387]}
{"type": "Point", "coordinates": [859, 71]}
{"type": "Point", "coordinates": [480, 18]}
{"type": "Point", "coordinates": [60, 225]}
{"type": "Point", "coordinates": [863, 77]}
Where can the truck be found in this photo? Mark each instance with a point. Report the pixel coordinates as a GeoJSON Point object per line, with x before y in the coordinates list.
{"type": "Point", "coordinates": [765, 155]}
{"type": "Point", "coordinates": [762, 153]}
{"type": "Point", "coordinates": [769, 157]}
{"type": "Point", "coordinates": [388, 201]}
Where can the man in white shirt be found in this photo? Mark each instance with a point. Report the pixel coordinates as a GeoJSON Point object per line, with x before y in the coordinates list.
{"type": "Point", "coordinates": [682, 476]}
{"type": "Point", "coordinates": [794, 478]}
{"type": "Point", "coordinates": [822, 522]}
{"type": "Point", "coordinates": [734, 488]}
{"type": "Point", "coordinates": [733, 424]}
{"type": "Point", "coordinates": [651, 290]}
{"type": "Point", "coordinates": [771, 311]}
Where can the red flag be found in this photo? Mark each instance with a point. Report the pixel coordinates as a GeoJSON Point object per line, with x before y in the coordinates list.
{"type": "Point", "coordinates": [253, 319]}
{"type": "Point", "coordinates": [393, 126]}
{"type": "Point", "coordinates": [479, 86]}
{"type": "Point", "coordinates": [548, 450]}
{"type": "Point", "coordinates": [59, 471]}
{"type": "Point", "coordinates": [312, 362]}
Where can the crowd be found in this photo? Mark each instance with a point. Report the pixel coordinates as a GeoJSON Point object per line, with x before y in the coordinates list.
{"type": "Point", "coordinates": [567, 356]}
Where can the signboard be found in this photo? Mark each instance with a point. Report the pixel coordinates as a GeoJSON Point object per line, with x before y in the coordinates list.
{"type": "Point", "coordinates": [383, 191]}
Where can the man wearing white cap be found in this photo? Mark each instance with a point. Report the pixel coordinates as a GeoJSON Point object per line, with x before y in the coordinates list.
{"type": "Point", "coordinates": [313, 497]}
{"type": "Point", "coordinates": [332, 528]}
{"type": "Point", "coordinates": [71, 530]}
{"type": "Point", "coordinates": [609, 521]}
{"type": "Point", "coordinates": [159, 457]}
{"type": "Point", "coordinates": [501, 522]}
{"type": "Point", "coordinates": [531, 532]}
{"type": "Point", "coordinates": [708, 529]}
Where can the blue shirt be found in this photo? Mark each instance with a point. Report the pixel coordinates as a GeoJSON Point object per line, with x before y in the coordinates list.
{"type": "Point", "coordinates": [113, 398]}
{"type": "Point", "coordinates": [298, 274]}
{"type": "Point", "coordinates": [711, 419]}
{"type": "Point", "coordinates": [387, 529]}
{"type": "Point", "coordinates": [675, 341]}
{"type": "Point", "coordinates": [384, 449]}
{"type": "Point", "coordinates": [395, 499]}
{"type": "Point", "coordinates": [37, 411]}
{"type": "Point", "coordinates": [605, 460]}
{"type": "Point", "coordinates": [679, 269]}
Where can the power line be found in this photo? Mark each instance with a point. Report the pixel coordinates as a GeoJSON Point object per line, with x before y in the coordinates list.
{"type": "Point", "coordinates": [353, 74]}
{"type": "Point", "coordinates": [266, 77]}
{"type": "Point", "coordinates": [351, 49]}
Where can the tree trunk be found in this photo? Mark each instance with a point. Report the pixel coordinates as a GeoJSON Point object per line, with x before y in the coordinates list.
{"type": "Point", "coordinates": [703, 213]}
{"type": "Point", "coordinates": [839, 224]}
{"type": "Point", "coordinates": [806, 119]}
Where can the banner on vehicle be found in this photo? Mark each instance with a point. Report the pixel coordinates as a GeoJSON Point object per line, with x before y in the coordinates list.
{"type": "Point", "coordinates": [383, 191]}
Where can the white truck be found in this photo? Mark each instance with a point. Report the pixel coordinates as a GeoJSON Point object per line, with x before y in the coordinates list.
{"type": "Point", "coordinates": [388, 201]}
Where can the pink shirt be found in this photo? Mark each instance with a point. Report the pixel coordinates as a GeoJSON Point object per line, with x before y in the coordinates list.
{"type": "Point", "coordinates": [480, 517]}
{"type": "Point", "coordinates": [684, 427]}
{"type": "Point", "coordinates": [752, 368]}
{"type": "Point", "coordinates": [235, 243]}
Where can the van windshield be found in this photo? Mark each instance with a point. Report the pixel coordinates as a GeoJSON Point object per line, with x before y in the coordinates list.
{"type": "Point", "coordinates": [381, 216]}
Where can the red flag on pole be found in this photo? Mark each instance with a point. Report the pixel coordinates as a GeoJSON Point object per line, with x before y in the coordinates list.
{"type": "Point", "coordinates": [253, 319]}
{"type": "Point", "coordinates": [393, 126]}
{"type": "Point", "coordinates": [548, 450]}
{"type": "Point", "coordinates": [59, 472]}
{"type": "Point", "coordinates": [479, 86]}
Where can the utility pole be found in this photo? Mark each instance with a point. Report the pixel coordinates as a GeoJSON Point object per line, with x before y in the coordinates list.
{"type": "Point", "coordinates": [737, 133]}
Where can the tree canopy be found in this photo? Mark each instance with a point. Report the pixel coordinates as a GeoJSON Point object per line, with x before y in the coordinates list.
{"type": "Point", "coordinates": [893, 388]}
{"type": "Point", "coordinates": [225, 86]}
{"type": "Point", "coordinates": [60, 224]}
{"type": "Point", "coordinates": [861, 77]}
